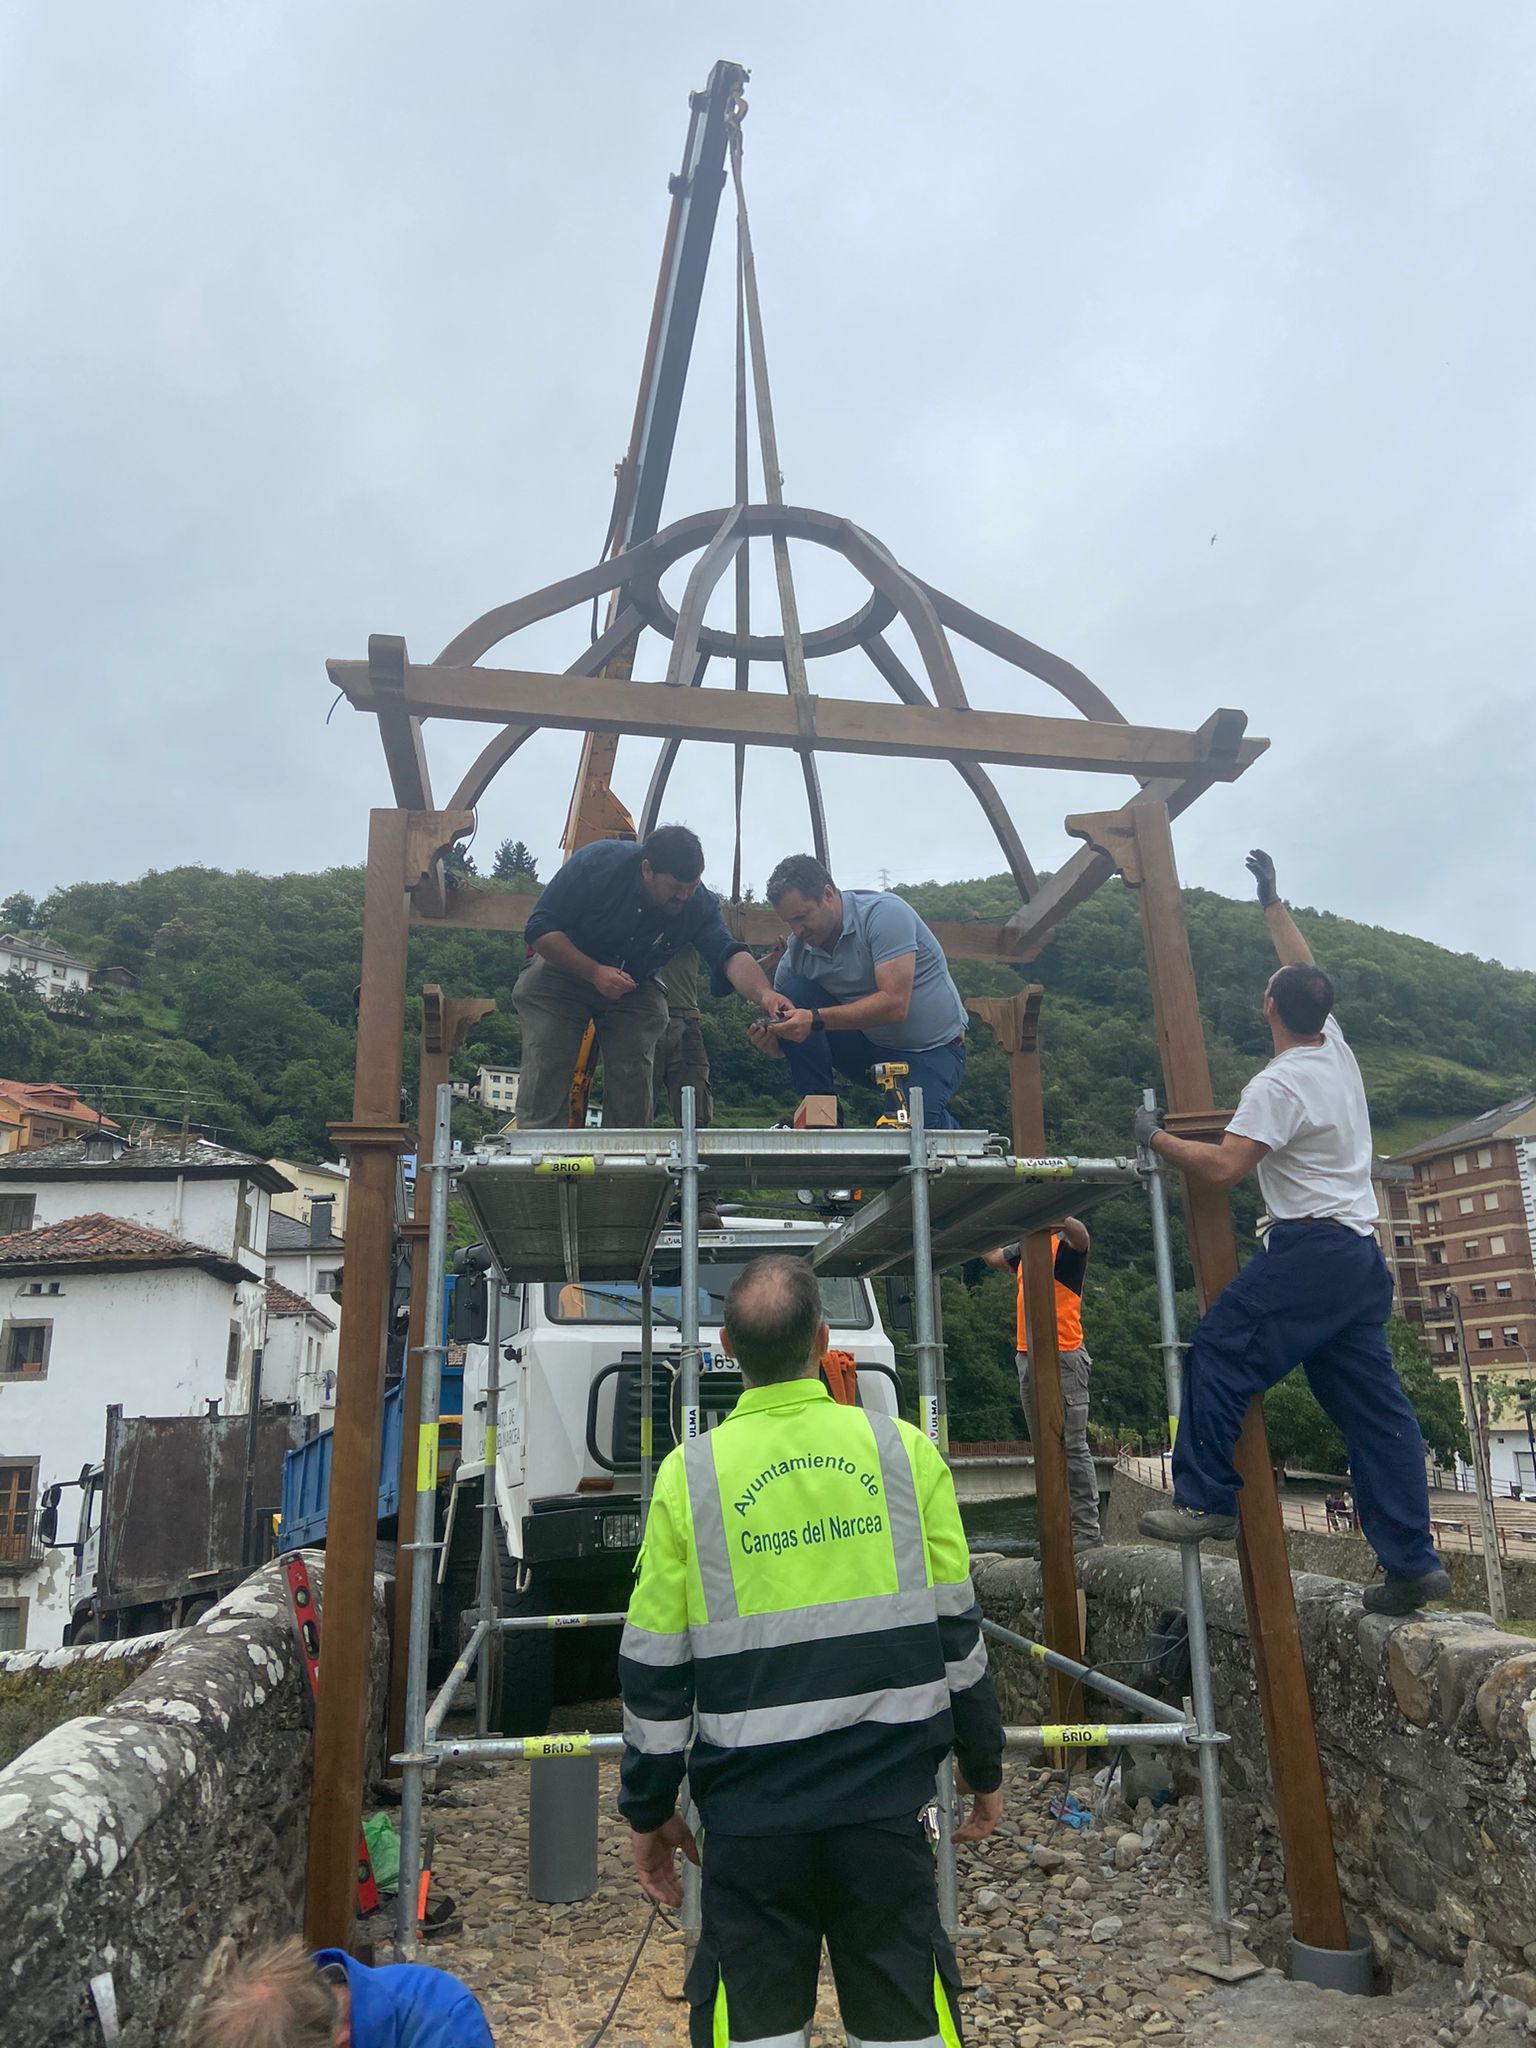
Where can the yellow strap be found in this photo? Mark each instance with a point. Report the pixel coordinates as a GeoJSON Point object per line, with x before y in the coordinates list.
{"type": "Point", "coordinates": [1041, 1169]}
{"type": "Point", "coordinates": [426, 1458]}
{"type": "Point", "coordinates": [577, 1166]}
{"type": "Point", "coordinates": [1074, 1735]}
{"type": "Point", "coordinates": [490, 1443]}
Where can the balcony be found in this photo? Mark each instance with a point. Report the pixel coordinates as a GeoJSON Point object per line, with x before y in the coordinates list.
{"type": "Point", "coordinates": [20, 1552]}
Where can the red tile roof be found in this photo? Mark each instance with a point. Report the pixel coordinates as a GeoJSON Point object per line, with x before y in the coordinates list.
{"type": "Point", "coordinates": [282, 1301]}
{"type": "Point", "coordinates": [101, 1240]}
{"type": "Point", "coordinates": [52, 1098]}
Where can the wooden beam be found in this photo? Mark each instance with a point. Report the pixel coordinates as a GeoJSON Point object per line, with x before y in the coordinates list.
{"type": "Point", "coordinates": [832, 724]}
{"type": "Point", "coordinates": [503, 910]}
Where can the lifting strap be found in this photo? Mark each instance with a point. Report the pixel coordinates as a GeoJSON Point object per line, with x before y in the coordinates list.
{"type": "Point", "coordinates": [773, 488]}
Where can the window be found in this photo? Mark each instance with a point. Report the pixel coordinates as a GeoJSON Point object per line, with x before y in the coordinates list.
{"type": "Point", "coordinates": [245, 1228]}
{"type": "Point", "coordinates": [1479, 1293]}
{"type": "Point", "coordinates": [1437, 1255]}
{"type": "Point", "coordinates": [232, 1353]}
{"type": "Point", "coordinates": [1469, 1248]}
{"type": "Point", "coordinates": [13, 1625]}
{"type": "Point", "coordinates": [18, 1498]}
{"type": "Point", "coordinates": [1466, 1204]}
{"type": "Point", "coordinates": [1485, 1340]}
{"type": "Point", "coordinates": [1485, 1155]}
{"type": "Point", "coordinates": [1511, 1337]}
{"type": "Point", "coordinates": [1448, 1341]}
{"type": "Point", "coordinates": [24, 1350]}
{"type": "Point", "coordinates": [1459, 1163]}
{"type": "Point", "coordinates": [16, 1213]}
{"type": "Point", "coordinates": [1402, 1240]}
{"type": "Point", "coordinates": [1491, 1199]}
{"type": "Point", "coordinates": [1440, 1297]}
{"type": "Point", "coordinates": [1431, 1212]}
{"type": "Point", "coordinates": [42, 1287]}
{"type": "Point", "coordinates": [328, 1280]}
{"type": "Point", "coordinates": [1496, 1247]}
{"type": "Point", "coordinates": [1504, 1289]}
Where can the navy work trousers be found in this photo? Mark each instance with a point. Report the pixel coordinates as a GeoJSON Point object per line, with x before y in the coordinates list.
{"type": "Point", "coordinates": [1317, 1297]}
{"type": "Point", "coordinates": [938, 1071]}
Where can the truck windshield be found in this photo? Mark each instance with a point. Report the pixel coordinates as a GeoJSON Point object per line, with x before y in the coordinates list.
{"type": "Point", "coordinates": [845, 1301]}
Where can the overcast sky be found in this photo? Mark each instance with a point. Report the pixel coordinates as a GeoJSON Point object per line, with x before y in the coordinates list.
{"type": "Point", "coordinates": [1192, 341]}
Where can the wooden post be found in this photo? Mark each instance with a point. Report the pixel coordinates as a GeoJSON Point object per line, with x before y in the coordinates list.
{"type": "Point", "coordinates": [372, 1141]}
{"type": "Point", "coordinates": [1143, 849]}
{"type": "Point", "coordinates": [445, 1023]}
{"type": "Point", "coordinates": [1014, 1022]}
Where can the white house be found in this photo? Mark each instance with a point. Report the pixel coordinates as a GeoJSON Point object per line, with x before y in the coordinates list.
{"type": "Point", "coordinates": [496, 1088]}
{"type": "Point", "coordinates": [129, 1273]}
{"type": "Point", "coordinates": [94, 1309]}
{"type": "Point", "coordinates": [305, 1261]}
{"type": "Point", "coordinates": [53, 971]}
{"type": "Point", "coordinates": [298, 1361]}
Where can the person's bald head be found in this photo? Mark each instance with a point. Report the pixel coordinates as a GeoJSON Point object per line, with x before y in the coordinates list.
{"type": "Point", "coordinates": [276, 1998]}
{"type": "Point", "coordinates": [773, 1325]}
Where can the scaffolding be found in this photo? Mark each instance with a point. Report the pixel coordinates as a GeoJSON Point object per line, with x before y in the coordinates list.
{"type": "Point", "coordinates": [590, 1206]}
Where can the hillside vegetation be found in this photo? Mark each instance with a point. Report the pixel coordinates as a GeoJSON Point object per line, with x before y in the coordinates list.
{"type": "Point", "coordinates": [242, 1021]}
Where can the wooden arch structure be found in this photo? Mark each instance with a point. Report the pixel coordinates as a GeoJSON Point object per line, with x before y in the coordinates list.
{"type": "Point", "coordinates": [933, 719]}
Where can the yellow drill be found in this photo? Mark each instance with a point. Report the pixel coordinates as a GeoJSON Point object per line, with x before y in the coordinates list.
{"type": "Point", "coordinates": [888, 1077]}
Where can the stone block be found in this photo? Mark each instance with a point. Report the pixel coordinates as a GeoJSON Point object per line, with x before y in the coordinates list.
{"type": "Point", "coordinates": [1506, 1704]}
{"type": "Point", "coordinates": [1412, 1654]}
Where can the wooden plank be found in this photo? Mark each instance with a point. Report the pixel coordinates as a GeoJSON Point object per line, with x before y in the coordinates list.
{"type": "Point", "coordinates": [1301, 1800]}
{"type": "Point", "coordinates": [503, 910]}
{"type": "Point", "coordinates": [835, 724]}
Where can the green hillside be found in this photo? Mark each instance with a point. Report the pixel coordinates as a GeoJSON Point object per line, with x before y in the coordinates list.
{"type": "Point", "coordinates": [241, 1020]}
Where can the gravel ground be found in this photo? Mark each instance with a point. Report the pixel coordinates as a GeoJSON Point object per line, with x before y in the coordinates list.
{"type": "Point", "coordinates": [1088, 1939]}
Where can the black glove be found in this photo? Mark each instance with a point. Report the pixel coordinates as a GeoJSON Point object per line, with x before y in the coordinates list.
{"type": "Point", "coordinates": [1147, 1121]}
{"type": "Point", "coordinates": [1262, 868]}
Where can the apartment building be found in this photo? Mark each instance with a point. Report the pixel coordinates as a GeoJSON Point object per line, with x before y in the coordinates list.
{"type": "Point", "coordinates": [1469, 1213]}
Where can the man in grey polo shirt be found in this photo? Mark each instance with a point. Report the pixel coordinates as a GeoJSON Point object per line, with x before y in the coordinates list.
{"type": "Point", "coordinates": [869, 983]}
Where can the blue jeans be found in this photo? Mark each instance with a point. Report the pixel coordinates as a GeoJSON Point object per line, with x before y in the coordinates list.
{"type": "Point", "coordinates": [1317, 1297]}
{"type": "Point", "coordinates": [938, 1071]}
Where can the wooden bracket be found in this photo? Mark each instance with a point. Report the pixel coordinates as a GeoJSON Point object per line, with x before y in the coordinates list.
{"type": "Point", "coordinates": [446, 1021]}
{"type": "Point", "coordinates": [428, 836]}
{"type": "Point", "coordinates": [1014, 1021]}
{"type": "Point", "coordinates": [1112, 833]}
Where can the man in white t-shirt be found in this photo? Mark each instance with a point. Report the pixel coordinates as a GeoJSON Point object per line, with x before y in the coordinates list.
{"type": "Point", "coordinates": [1317, 1295]}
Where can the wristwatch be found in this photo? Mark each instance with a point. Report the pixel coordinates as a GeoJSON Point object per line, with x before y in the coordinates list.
{"type": "Point", "coordinates": [816, 1021]}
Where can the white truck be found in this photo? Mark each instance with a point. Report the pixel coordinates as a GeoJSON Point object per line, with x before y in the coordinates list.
{"type": "Point", "coordinates": [567, 1472]}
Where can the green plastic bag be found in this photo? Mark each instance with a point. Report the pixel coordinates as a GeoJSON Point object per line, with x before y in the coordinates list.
{"type": "Point", "coordinates": [384, 1849]}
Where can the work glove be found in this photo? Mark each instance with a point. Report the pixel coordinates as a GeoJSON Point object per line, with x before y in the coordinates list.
{"type": "Point", "coordinates": [1147, 1121]}
{"type": "Point", "coordinates": [1262, 868]}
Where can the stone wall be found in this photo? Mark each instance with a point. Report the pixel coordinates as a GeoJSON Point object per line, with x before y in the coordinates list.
{"type": "Point", "coordinates": [1428, 1735]}
{"type": "Point", "coordinates": [136, 1840]}
{"type": "Point", "coordinates": [1338, 1557]}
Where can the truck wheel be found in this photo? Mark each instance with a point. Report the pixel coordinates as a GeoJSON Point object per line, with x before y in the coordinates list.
{"type": "Point", "coordinates": [195, 1610]}
{"type": "Point", "coordinates": [523, 1698]}
{"type": "Point", "coordinates": [84, 1632]}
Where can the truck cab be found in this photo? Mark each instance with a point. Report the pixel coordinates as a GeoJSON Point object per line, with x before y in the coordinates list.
{"type": "Point", "coordinates": [567, 1470]}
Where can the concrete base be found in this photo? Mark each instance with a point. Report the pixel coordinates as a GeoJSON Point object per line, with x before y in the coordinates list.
{"type": "Point", "coordinates": [1242, 1964]}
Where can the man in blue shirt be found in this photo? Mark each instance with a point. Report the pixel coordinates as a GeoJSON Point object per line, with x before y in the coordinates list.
{"type": "Point", "coordinates": [599, 935]}
{"type": "Point", "coordinates": [330, 2001]}
{"type": "Point", "coordinates": [868, 982]}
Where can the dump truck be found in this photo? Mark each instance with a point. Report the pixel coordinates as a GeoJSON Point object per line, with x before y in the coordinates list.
{"type": "Point", "coordinates": [567, 1470]}
{"type": "Point", "coordinates": [177, 1513]}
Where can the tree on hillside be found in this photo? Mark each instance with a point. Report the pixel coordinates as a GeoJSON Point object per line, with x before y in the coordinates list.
{"type": "Point", "coordinates": [515, 864]}
{"type": "Point", "coordinates": [459, 861]}
{"type": "Point", "coordinates": [18, 912]}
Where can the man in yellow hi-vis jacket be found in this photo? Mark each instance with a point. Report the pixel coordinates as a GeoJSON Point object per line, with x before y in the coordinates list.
{"type": "Point", "coordinates": [804, 1641]}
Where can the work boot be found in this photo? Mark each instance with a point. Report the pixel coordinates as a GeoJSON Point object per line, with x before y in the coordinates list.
{"type": "Point", "coordinates": [1187, 1525]}
{"type": "Point", "coordinates": [1406, 1596]}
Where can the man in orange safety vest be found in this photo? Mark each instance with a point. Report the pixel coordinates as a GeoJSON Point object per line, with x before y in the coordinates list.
{"type": "Point", "coordinates": [1069, 1247]}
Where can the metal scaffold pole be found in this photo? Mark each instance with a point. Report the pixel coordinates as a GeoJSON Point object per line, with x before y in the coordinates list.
{"type": "Point", "coordinates": [489, 1575]}
{"type": "Point", "coordinates": [1206, 1738]}
{"type": "Point", "coordinates": [424, 1547]}
{"type": "Point", "coordinates": [929, 1375]}
{"type": "Point", "coordinates": [688, 1346]}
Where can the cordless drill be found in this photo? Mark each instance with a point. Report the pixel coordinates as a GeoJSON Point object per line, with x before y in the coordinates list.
{"type": "Point", "coordinates": [888, 1077]}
